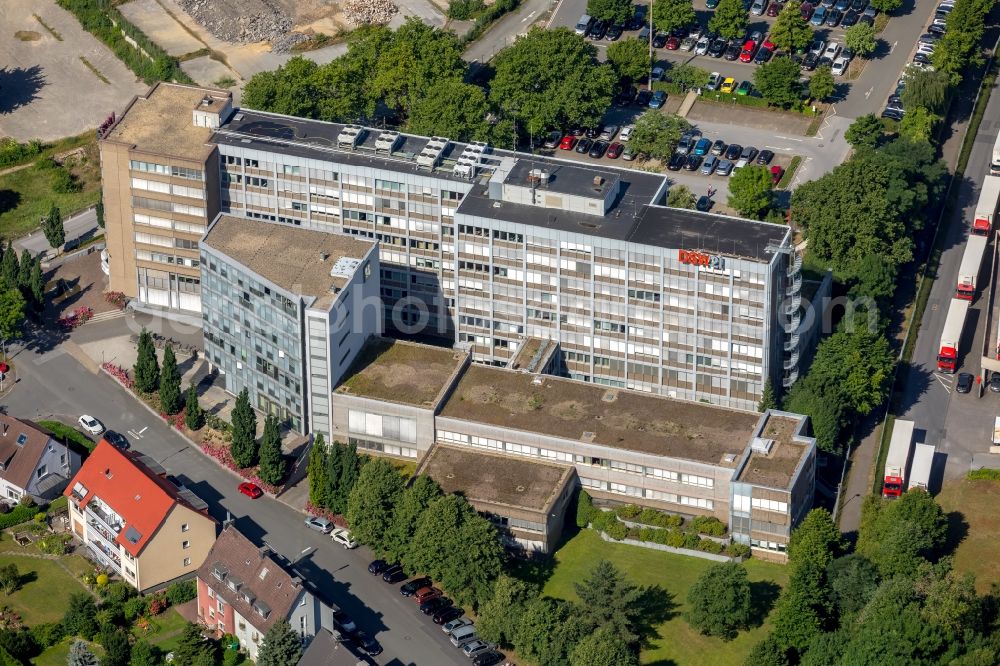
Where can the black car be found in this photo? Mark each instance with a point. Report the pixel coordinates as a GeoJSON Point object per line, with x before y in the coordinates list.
{"type": "Point", "coordinates": [599, 30]}
{"type": "Point", "coordinates": [765, 157]}
{"type": "Point", "coordinates": [660, 40]}
{"type": "Point", "coordinates": [692, 162]}
{"type": "Point", "coordinates": [377, 567]}
{"type": "Point", "coordinates": [733, 152]}
{"type": "Point", "coordinates": [116, 440]}
{"type": "Point", "coordinates": [934, 29]}
{"type": "Point", "coordinates": [368, 644]}
{"type": "Point", "coordinates": [448, 614]}
{"type": "Point", "coordinates": [642, 99]}
{"type": "Point", "coordinates": [732, 52]}
{"type": "Point", "coordinates": [922, 57]}
{"type": "Point", "coordinates": [892, 114]}
{"type": "Point", "coordinates": [583, 145]}
{"type": "Point", "coordinates": [598, 149]}
{"type": "Point", "coordinates": [394, 574]}
{"type": "Point", "coordinates": [810, 61]}
{"type": "Point", "coordinates": [719, 147]}
{"type": "Point", "coordinates": [594, 132]}
{"type": "Point", "coordinates": [718, 47]}
{"type": "Point", "coordinates": [615, 32]}
{"type": "Point", "coordinates": [638, 19]}
{"type": "Point", "coordinates": [488, 658]}
{"type": "Point", "coordinates": [833, 18]}
{"type": "Point", "coordinates": [677, 161]}
{"type": "Point", "coordinates": [704, 203]}
{"type": "Point", "coordinates": [763, 55]}
{"type": "Point", "coordinates": [859, 5]}
{"type": "Point", "coordinates": [995, 382]}
{"type": "Point", "coordinates": [627, 96]}
{"type": "Point", "coordinates": [408, 589]}
{"type": "Point", "coordinates": [965, 382]}
{"type": "Point", "coordinates": [850, 18]}
{"type": "Point", "coordinates": [432, 606]}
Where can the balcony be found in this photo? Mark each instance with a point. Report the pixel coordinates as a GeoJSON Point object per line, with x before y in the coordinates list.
{"type": "Point", "coordinates": [113, 523]}
{"type": "Point", "coordinates": [105, 556]}
{"type": "Point", "coordinates": [96, 529]}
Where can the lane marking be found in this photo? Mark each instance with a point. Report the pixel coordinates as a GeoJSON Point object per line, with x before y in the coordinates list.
{"type": "Point", "coordinates": [893, 47]}
{"type": "Point", "coordinates": [944, 384]}
{"type": "Point", "coordinates": [869, 92]}
{"type": "Point", "coordinates": [787, 138]}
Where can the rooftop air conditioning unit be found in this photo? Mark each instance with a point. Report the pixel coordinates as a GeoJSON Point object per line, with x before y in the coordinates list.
{"type": "Point", "coordinates": [761, 445]}
{"type": "Point", "coordinates": [349, 136]}
{"type": "Point", "coordinates": [387, 140]}
{"type": "Point", "coordinates": [431, 154]}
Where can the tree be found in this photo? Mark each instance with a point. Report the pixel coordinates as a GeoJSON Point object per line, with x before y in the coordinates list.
{"type": "Point", "coordinates": [669, 15]}
{"type": "Point", "coordinates": [629, 58]}
{"type": "Point", "coordinates": [817, 539]}
{"type": "Point", "coordinates": [319, 482]}
{"type": "Point", "coordinates": [826, 414]}
{"type": "Point", "coordinates": [855, 363]}
{"type": "Point", "coordinates": [291, 89]}
{"type": "Point", "coordinates": [551, 78]}
{"type": "Point", "coordinates": [956, 51]}
{"type": "Point", "coordinates": [52, 227]}
{"type": "Point", "coordinates": [10, 579]}
{"type": "Point", "coordinates": [950, 600]}
{"type": "Point", "coordinates": [584, 509]}
{"type": "Point", "coordinates": [657, 134]}
{"type": "Point", "coordinates": [244, 443]}
{"type": "Point", "coordinates": [719, 602]}
{"type": "Point", "coordinates": [767, 399]}
{"type": "Point", "coordinates": [610, 599]}
{"type": "Point", "coordinates": [146, 371]}
{"type": "Point", "coordinates": [272, 462]}
{"type": "Point", "coordinates": [548, 630]}
{"type": "Point", "coordinates": [603, 648]}
{"type": "Point", "coordinates": [10, 270]}
{"type": "Point", "coordinates": [37, 284]}
{"type": "Point", "coordinates": [887, 6]}
{"type": "Point", "coordinates": [750, 191]}
{"type": "Point", "coordinates": [350, 469]}
{"type": "Point", "coordinates": [421, 491]}
{"type": "Point", "coordinates": [821, 84]}
{"type": "Point", "coordinates": [918, 125]}
{"type": "Point", "coordinates": [498, 617]}
{"type": "Point", "coordinates": [99, 212]}
{"type": "Point", "coordinates": [117, 650]}
{"type": "Point", "coordinates": [680, 196]}
{"type": "Point", "coordinates": [371, 501]}
{"type": "Point", "coordinates": [778, 81]}
{"type": "Point", "coordinates": [790, 31]}
{"type": "Point", "coordinates": [194, 415]}
{"type": "Point", "coordinates": [24, 273]}
{"type": "Point", "coordinates": [170, 383]}
{"type": "Point", "coordinates": [191, 649]}
{"type": "Point", "coordinates": [897, 536]}
{"type": "Point", "coordinates": [927, 89]}
{"type": "Point", "coordinates": [454, 109]}
{"type": "Point", "coordinates": [688, 76]}
{"type": "Point", "coordinates": [865, 131]}
{"type": "Point", "coordinates": [80, 655]}
{"type": "Point", "coordinates": [281, 646]}
{"type": "Point", "coordinates": [334, 470]}
{"type": "Point", "coordinates": [616, 11]}
{"type": "Point", "coordinates": [11, 313]}
{"type": "Point", "coordinates": [729, 19]}
{"type": "Point", "coordinates": [80, 618]}
{"type": "Point", "coordinates": [145, 654]}
{"type": "Point", "coordinates": [853, 580]}
{"type": "Point", "coordinates": [798, 614]}
{"type": "Point", "coordinates": [861, 39]}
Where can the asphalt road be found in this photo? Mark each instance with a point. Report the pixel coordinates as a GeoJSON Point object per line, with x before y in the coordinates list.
{"type": "Point", "coordinates": [83, 224]}
{"type": "Point", "coordinates": [55, 384]}
{"type": "Point", "coordinates": [503, 33]}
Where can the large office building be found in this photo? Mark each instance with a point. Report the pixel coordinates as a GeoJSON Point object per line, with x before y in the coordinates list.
{"type": "Point", "coordinates": [486, 248]}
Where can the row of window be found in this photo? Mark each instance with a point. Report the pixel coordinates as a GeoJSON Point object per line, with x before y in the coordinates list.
{"type": "Point", "coordinates": [387, 427]}
{"type": "Point", "coordinates": [164, 223]}
{"type": "Point", "coordinates": [389, 449]}
{"type": "Point", "coordinates": [167, 206]}
{"type": "Point", "coordinates": [145, 255]}
{"type": "Point", "coordinates": [633, 491]}
{"type": "Point", "coordinates": [743, 503]}
{"type": "Point", "coordinates": [165, 170]}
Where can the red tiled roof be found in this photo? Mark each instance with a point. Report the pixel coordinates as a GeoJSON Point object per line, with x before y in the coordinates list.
{"type": "Point", "coordinates": [137, 494]}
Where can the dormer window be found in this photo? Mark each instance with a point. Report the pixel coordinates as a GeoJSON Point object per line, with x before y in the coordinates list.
{"type": "Point", "coordinates": [219, 572]}
{"type": "Point", "coordinates": [262, 609]}
{"type": "Point", "coordinates": [248, 596]}
{"type": "Point", "coordinates": [22, 439]}
{"type": "Point", "coordinates": [234, 583]}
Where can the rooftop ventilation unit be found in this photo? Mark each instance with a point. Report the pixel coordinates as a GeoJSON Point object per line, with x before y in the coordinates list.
{"type": "Point", "coordinates": [469, 160]}
{"type": "Point", "coordinates": [344, 267]}
{"type": "Point", "coordinates": [349, 136]}
{"type": "Point", "coordinates": [387, 141]}
{"type": "Point", "coordinates": [761, 445]}
{"type": "Point", "coordinates": [431, 154]}
{"type": "Point", "coordinates": [538, 177]}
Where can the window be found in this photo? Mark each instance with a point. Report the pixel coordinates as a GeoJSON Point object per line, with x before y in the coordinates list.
{"type": "Point", "coordinates": [185, 545]}
{"type": "Point", "coordinates": [770, 505]}
{"type": "Point", "coordinates": [185, 527]}
{"type": "Point", "coordinates": [211, 593]}
{"type": "Point", "coordinates": [41, 471]}
{"type": "Point", "coordinates": [187, 561]}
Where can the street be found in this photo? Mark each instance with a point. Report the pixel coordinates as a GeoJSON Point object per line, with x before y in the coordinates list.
{"type": "Point", "coordinates": [81, 225]}
{"type": "Point", "coordinates": [503, 33]}
{"type": "Point", "coordinates": [54, 384]}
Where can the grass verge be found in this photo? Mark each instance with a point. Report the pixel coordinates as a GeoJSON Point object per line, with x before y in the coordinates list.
{"type": "Point", "coordinates": [58, 654]}
{"type": "Point", "coordinates": [94, 69]}
{"type": "Point", "coordinates": [786, 179]}
{"type": "Point", "coordinates": [677, 643]}
{"type": "Point", "coordinates": [976, 502]}
{"type": "Point", "coordinates": [75, 439]}
{"type": "Point", "coordinates": [51, 30]}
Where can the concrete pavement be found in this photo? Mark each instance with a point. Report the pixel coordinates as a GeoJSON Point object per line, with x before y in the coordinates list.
{"type": "Point", "coordinates": [81, 225]}
{"type": "Point", "coordinates": [53, 384]}
{"type": "Point", "coordinates": [504, 32]}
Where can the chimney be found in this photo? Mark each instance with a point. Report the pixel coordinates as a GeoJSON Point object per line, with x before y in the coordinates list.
{"type": "Point", "coordinates": [323, 256]}
{"type": "Point", "coordinates": [263, 551]}
{"type": "Point", "coordinates": [5, 426]}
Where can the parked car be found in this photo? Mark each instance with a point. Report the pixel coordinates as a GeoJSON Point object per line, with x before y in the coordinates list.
{"type": "Point", "coordinates": [599, 30]}
{"type": "Point", "coordinates": [344, 621]}
{"type": "Point", "coordinates": [488, 658]}
{"type": "Point", "coordinates": [833, 18]}
{"type": "Point", "coordinates": [568, 142]}
{"type": "Point", "coordinates": [615, 32]}
{"type": "Point", "coordinates": [463, 635]}
{"type": "Point", "coordinates": [608, 132]}
{"type": "Point", "coordinates": [810, 61]}
{"type": "Point", "coordinates": [377, 567]}
{"type": "Point", "coordinates": [408, 589]}
{"type": "Point", "coordinates": [839, 66]}
{"type": "Point", "coordinates": [728, 85]}
{"type": "Point", "coordinates": [701, 48]}
{"type": "Point", "coordinates": [763, 55]}
{"type": "Point", "coordinates": [626, 133]}
{"type": "Point", "coordinates": [765, 157]}
{"type": "Point", "coordinates": [744, 88]}
{"type": "Point", "coordinates": [598, 149]}
{"type": "Point", "coordinates": [660, 40]}
{"type": "Point", "coordinates": [708, 167]}
{"type": "Point", "coordinates": [714, 80]}
{"type": "Point", "coordinates": [629, 153]}
{"type": "Point", "coordinates": [758, 7]}
{"type": "Point", "coordinates": [319, 524]}
{"type": "Point", "coordinates": [90, 424]}
{"type": "Point", "coordinates": [869, 14]}
{"type": "Point", "coordinates": [473, 648]}
{"type": "Point", "coordinates": [426, 594]}
{"type": "Point", "coordinates": [859, 5]}
{"type": "Point", "coordinates": [832, 50]}
{"type": "Point", "coordinates": [806, 9]}
{"type": "Point", "coordinates": [117, 440]}
{"type": "Point", "coordinates": [677, 161]}
{"type": "Point", "coordinates": [658, 99]}
{"type": "Point", "coordinates": [552, 139]}
{"type": "Point", "coordinates": [343, 537]}
{"type": "Point", "coordinates": [615, 151]}
{"type": "Point", "coordinates": [733, 151]}
{"type": "Point", "coordinates": [719, 147]}
{"type": "Point", "coordinates": [692, 162]}
{"type": "Point", "coordinates": [251, 490]}
{"type": "Point", "coordinates": [921, 58]}
{"type": "Point", "coordinates": [593, 132]}
{"type": "Point", "coordinates": [457, 623]}
{"type": "Point", "coordinates": [748, 153]}
{"type": "Point", "coordinates": [850, 19]}
{"type": "Point", "coordinates": [368, 644]}
{"type": "Point", "coordinates": [965, 382]}
{"type": "Point", "coordinates": [718, 47]}
{"type": "Point", "coordinates": [704, 203]}
{"type": "Point", "coordinates": [774, 9]}
{"type": "Point", "coordinates": [583, 145]}
{"type": "Point", "coordinates": [657, 73]}
{"type": "Point", "coordinates": [448, 614]}
{"type": "Point", "coordinates": [776, 173]}
{"type": "Point", "coordinates": [733, 52]}
{"type": "Point", "coordinates": [394, 574]}
{"type": "Point", "coordinates": [817, 47]}
{"type": "Point", "coordinates": [642, 99]}
{"type": "Point", "coordinates": [432, 606]}
{"type": "Point", "coordinates": [725, 167]}
{"type": "Point", "coordinates": [703, 146]}
{"type": "Point", "coordinates": [673, 43]}
{"type": "Point", "coordinates": [994, 384]}
{"type": "Point", "coordinates": [626, 96]}
{"type": "Point", "coordinates": [819, 16]}
{"type": "Point", "coordinates": [711, 4]}
{"type": "Point", "coordinates": [892, 114]}
{"type": "Point", "coordinates": [687, 44]}
{"type": "Point", "coordinates": [747, 53]}
{"type": "Point", "coordinates": [928, 38]}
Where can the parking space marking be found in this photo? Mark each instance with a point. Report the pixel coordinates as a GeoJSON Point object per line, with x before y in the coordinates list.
{"type": "Point", "coordinates": [944, 384]}
{"type": "Point", "coordinates": [787, 138]}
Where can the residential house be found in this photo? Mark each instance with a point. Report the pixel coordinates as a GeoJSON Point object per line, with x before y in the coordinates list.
{"type": "Point", "coordinates": [32, 461]}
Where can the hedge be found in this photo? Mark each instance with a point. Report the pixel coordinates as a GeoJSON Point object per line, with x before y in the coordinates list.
{"type": "Point", "coordinates": [984, 474]}
{"type": "Point", "coordinates": [648, 516]}
{"type": "Point", "coordinates": [22, 513]}
{"type": "Point", "coordinates": [101, 19]}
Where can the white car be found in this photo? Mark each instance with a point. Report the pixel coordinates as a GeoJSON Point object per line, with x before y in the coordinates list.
{"type": "Point", "coordinates": [701, 48]}
{"type": "Point", "coordinates": [832, 51]}
{"type": "Point", "coordinates": [714, 80]}
{"type": "Point", "coordinates": [343, 537]}
{"type": "Point", "coordinates": [816, 48]}
{"type": "Point", "coordinates": [90, 424]}
{"type": "Point", "coordinates": [626, 133]}
{"type": "Point", "coordinates": [839, 66]}
{"type": "Point", "coordinates": [926, 48]}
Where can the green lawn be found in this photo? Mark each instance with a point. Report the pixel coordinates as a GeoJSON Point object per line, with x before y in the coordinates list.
{"type": "Point", "coordinates": [973, 521]}
{"type": "Point", "coordinates": [677, 643]}
{"type": "Point", "coordinates": [164, 631]}
{"type": "Point", "coordinates": [26, 195]}
{"type": "Point", "coordinates": [58, 653]}
{"type": "Point", "coordinates": [45, 592]}
{"type": "Point", "coordinates": [73, 437]}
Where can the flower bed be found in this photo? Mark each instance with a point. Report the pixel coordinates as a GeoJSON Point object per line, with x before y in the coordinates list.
{"type": "Point", "coordinates": [222, 455]}
{"type": "Point", "coordinates": [80, 316]}
{"type": "Point", "coordinates": [116, 298]}
{"type": "Point", "coordinates": [119, 373]}
{"type": "Point", "coordinates": [334, 518]}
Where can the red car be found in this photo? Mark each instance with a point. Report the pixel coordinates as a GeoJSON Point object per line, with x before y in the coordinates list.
{"type": "Point", "coordinates": [768, 44]}
{"type": "Point", "coordinates": [673, 44]}
{"type": "Point", "coordinates": [614, 151]}
{"type": "Point", "coordinates": [426, 594]}
{"type": "Point", "coordinates": [251, 490]}
{"type": "Point", "coordinates": [774, 9]}
{"type": "Point", "coordinates": [749, 48]}
{"type": "Point", "coordinates": [776, 173]}
{"type": "Point", "coordinates": [568, 142]}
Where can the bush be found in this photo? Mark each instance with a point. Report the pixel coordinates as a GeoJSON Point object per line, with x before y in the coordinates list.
{"type": "Point", "coordinates": [691, 540]}
{"type": "Point", "coordinates": [182, 592]}
{"type": "Point", "coordinates": [709, 546]}
{"type": "Point", "coordinates": [64, 183]}
{"type": "Point", "coordinates": [601, 519]}
{"type": "Point", "coordinates": [616, 529]}
{"type": "Point", "coordinates": [20, 514]}
{"type": "Point", "coordinates": [738, 550]}
{"type": "Point", "coordinates": [659, 519]}
{"type": "Point", "coordinates": [12, 152]}
{"type": "Point", "coordinates": [46, 164]}
{"type": "Point", "coordinates": [709, 525]}
{"type": "Point", "coordinates": [584, 509]}
{"type": "Point", "coordinates": [20, 643]}
{"type": "Point", "coordinates": [27, 500]}
{"type": "Point", "coordinates": [628, 512]}
{"type": "Point", "coordinates": [48, 634]}
{"type": "Point", "coordinates": [116, 592]}
{"type": "Point", "coordinates": [54, 544]}
{"type": "Point", "coordinates": [676, 538]}
{"type": "Point", "coordinates": [463, 10]}
{"type": "Point", "coordinates": [134, 608]}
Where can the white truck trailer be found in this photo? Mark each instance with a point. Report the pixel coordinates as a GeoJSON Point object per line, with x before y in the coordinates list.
{"type": "Point", "coordinates": [920, 470]}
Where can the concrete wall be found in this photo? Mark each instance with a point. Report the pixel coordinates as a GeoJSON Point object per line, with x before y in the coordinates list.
{"type": "Point", "coordinates": [343, 403]}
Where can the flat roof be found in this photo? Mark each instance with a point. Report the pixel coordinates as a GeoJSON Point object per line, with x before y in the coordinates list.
{"type": "Point", "coordinates": [290, 257]}
{"type": "Point", "coordinates": [403, 372]}
{"type": "Point", "coordinates": [494, 479]}
{"type": "Point", "coordinates": [565, 177]}
{"type": "Point", "coordinates": [161, 121]}
{"type": "Point", "coordinates": [590, 413]}
{"type": "Point", "coordinates": [706, 232]}
{"type": "Point", "coordinates": [776, 468]}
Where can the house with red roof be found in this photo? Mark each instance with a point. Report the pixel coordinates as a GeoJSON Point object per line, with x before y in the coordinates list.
{"type": "Point", "coordinates": [135, 521]}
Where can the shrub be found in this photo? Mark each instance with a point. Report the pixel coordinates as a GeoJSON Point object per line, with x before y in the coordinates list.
{"type": "Point", "coordinates": [39, 517]}
{"type": "Point", "coordinates": [134, 608]}
{"type": "Point", "coordinates": [102, 580]}
{"type": "Point", "coordinates": [708, 525]}
{"type": "Point", "coordinates": [659, 519]}
{"type": "Point", "coordinates": [628, 512]}
{"type": "Point", "coordinates": [54, 544]}
{"type": "Point", "coordinates": [20, 514]}
{"type": "Point", "coordinates": [463, 10]}
{"type": "Point", "coordinates": [157, 605]}
{"type": "Point", "coordinates": [584, 509]}
{"type": "Point", "coordinates": [738, 550]}
{"type": "Point", "coordinates": [616, 529]}
{"type": "Point", "coordinates": [27, 500]}
{"type": "Point", "coordinates": [63, 182]}
{"type": "Point", "coordinates": [691, 540]}
{"type": "Point", "coordinates": [709, 546]}
{"type": "Point", "coordinates": [20, 643]}
{"type": "Point", "coordinates": [601, 520]}
{"type": "Point", "coordinates": [46, 164]}
{"type": "Point", "coordinates": [48, 633]}
{"type": "Point", "coordinates": [182, 592]}
{"type": "Point", "coordinates": [117, 592]}
{"type": "Point", "coordinates": [12, 152]}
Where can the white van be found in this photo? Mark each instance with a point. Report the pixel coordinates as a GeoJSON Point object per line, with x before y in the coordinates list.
{"type": "Point", "coordinates": [463, 635]}
{"type": "Point", "coordinates": [583, 25]}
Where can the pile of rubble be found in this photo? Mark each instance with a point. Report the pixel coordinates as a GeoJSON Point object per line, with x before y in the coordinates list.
{"type": "Point", "coordinates": [368, 12]}
{"type": "Point", "coordinates": [244, 21]}
{"type": "Point", "coordinates": [285, 43]}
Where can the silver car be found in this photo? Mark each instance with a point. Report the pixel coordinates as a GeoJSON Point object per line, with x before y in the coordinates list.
{"type": "Point", "coordinates": [319, 524]}
{"type": "Point", "coordinates": [473, 648]}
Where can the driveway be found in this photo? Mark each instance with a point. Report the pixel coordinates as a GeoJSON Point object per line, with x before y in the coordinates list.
{"type": "Point", "coordinates": [49, 92]}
